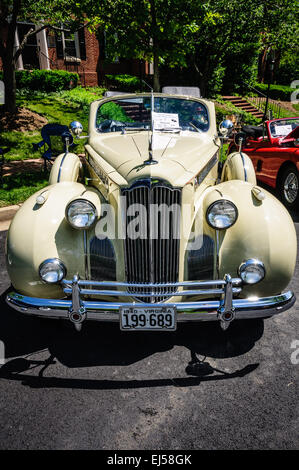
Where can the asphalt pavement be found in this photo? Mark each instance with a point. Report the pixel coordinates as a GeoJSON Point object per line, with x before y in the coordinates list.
{"type": "Point", "coordinates": [197, 388]}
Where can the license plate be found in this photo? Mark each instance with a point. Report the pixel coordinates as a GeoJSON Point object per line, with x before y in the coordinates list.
{"type": "Point", "coordinates": [152, 318]}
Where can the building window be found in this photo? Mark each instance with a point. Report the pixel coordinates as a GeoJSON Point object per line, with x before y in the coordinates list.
{"type": "Point", "coordinates": [71, 46]}
{"type": "Point", "coordinates": [51, 39]}
{"type": "Point", "coordinates": [30, 53]}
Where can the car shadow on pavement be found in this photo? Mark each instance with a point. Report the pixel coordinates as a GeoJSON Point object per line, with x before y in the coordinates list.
{"type": "Point", "coordinates": [103, 344]}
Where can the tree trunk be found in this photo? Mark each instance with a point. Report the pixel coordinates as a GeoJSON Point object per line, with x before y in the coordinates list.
{"type": "Point", "coordinates": [156, 72]}
{"type": "Point", "coordinates": [9, 78]}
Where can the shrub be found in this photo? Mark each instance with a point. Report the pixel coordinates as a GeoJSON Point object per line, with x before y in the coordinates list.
{"type": "Point", "coordinates": [45, 80]}
{"type": "Point", "coordinates": [277, 92]}
{"type": "Point", "coordinates": [128, 83]}
{"type": "Point", "coordinates": [224, 108]}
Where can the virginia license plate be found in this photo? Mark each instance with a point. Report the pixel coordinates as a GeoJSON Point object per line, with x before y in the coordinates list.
{"type": "Point", "coordinates": [152, 318]}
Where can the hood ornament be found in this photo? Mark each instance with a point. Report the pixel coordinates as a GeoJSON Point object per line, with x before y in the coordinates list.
{"type": "Point", "coordinates": [150, 160]}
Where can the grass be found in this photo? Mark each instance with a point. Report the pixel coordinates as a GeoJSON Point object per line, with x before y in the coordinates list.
{"type": "Point", "coordinates": [18, 187]}
{"type": "Point", "coordinates": [61, 107]}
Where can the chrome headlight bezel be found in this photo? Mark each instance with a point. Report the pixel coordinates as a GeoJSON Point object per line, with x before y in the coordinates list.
{"type": "Point", "coordinates": [251, 263]}
{"type": "Point", "coordinates": [91, 206]}
{"type": "Point", "coordinates": [222, 201]}
{"type": "Point", "coordinates": [55, 262]}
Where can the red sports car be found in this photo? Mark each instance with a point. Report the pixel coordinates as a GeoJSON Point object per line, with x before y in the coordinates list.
{"type": "Point", "coordinates": [274, 150]}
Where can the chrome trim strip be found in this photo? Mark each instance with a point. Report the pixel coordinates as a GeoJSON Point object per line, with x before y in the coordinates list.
{"type": "Point", "coordinates": [205, 310]}
{"type": "Point", "coordinates": [206, 170]}
{"type": "Point", "coordinates": [217, 253]}
{"type": "Point", "coordinates": [85, 254]}
{"type": "Point", "coordinates": [60, 167]}
{"type": "Point", "coordinates": [245, 171]}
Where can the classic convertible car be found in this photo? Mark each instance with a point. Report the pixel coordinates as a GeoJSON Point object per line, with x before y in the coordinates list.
{"type": "Point", "coordinates": [274, 151]}
{"type": "Point", "coordinates": [150, 229]}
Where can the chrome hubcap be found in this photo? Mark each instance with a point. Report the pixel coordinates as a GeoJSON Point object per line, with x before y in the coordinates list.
{"type": "Point", "coordinates": [290, 187]}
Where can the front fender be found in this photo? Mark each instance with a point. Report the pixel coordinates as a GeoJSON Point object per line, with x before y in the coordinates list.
{"type": "Point", "coordinates": [38, 232]}
{"type": "Point", "coordinates": [66, 168]}
{"type": "Point", "coordinates": [263, 230]}
{"type": "Point", "coordinates": [238, 166]}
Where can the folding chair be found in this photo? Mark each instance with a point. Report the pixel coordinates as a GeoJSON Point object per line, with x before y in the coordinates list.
{"type": "Point", "coordinates": [53, 136]}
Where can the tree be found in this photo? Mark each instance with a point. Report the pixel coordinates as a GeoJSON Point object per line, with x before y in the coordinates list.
{"type": "Point", "coordinates": [50, 14]}
{"type": "Point", "coordinates": [152, 30]}
{"type": "Point", "coordinates": [280, 31]}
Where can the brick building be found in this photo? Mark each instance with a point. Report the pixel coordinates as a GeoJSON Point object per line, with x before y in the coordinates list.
{"type": "Point", "coordinates": [79, 52]}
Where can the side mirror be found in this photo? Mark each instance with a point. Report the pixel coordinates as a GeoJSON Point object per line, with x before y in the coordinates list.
{"type": "Point", "coordinates": [226, 128]}
{"type": "Point", "coordinates": [76, 128]}
{"type": "Point", "coordinates": [67, 139]}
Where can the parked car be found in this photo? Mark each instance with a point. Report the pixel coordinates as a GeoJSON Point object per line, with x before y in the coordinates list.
{"type": "Point", "coordinates": [274, 151]}
{"type": "Point", "coordinates": [150, 230]}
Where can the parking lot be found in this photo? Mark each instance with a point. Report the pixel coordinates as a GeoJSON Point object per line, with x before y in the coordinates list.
{"type": "Point", "coordinates": [197, 388]}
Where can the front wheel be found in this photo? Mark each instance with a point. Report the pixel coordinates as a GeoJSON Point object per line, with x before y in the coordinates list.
{"type": "Point", "coordinates": [288, 188]}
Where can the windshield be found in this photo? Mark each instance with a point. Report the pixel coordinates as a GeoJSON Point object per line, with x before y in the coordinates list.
{"type": "Point", "coordinates": [283, 127]}
{"type": "Point", "coordinates": [170, 114]}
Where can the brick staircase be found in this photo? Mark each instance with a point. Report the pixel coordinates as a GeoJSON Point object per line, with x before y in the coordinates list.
{"type": "Point", "coordinates": [243, 104]}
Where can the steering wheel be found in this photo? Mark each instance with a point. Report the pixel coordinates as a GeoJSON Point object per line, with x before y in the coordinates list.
{"type": "Point", "coordinates": [110, 125]}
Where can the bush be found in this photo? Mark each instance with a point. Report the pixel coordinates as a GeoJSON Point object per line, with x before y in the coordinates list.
{"type": "Point", "coordinates": [45, 80]}
{"type": "Point", "coordinates": [128, 83]}
{"type": "Point", "coordinates": [277, 92]}
{"type": "Point", "coordinates": [224, 108]}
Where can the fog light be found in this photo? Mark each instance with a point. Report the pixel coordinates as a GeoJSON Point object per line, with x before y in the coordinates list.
{"type": "Point", "coordinates": [52, 271]}
{"type": "Point", "coordinates": [252, 271]}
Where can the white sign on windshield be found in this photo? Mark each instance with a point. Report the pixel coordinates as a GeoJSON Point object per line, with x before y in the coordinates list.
{"type": "Point", "coordinates": [165, 120]}
{"type": "Point", "coordinates": [283, 130]}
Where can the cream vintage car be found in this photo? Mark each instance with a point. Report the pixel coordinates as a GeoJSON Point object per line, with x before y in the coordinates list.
{"type": "Point", "coordinates": [151, 229]}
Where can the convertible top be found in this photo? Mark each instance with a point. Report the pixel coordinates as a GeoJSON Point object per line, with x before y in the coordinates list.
{"type": "Point", "coordinates": [253, 131]}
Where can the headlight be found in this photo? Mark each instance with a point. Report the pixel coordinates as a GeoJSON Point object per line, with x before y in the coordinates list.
{"type": "Point", "coordinates": [222, 214]}
{"type": "Point", "coordinates": [52, 271]}
{"type": "Point", "coordinates": [81, 213]}
{"type": "Point", "coordinates": [252, 271]}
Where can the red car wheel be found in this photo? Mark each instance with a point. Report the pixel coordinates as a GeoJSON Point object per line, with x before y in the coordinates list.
{"type": "Point", "coordinates": [289, 188]}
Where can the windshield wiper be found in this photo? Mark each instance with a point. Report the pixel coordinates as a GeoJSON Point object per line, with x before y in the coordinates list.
{"type": "Point", "coordinates": [134, 129]}
{"type": "Point", "coordinates": [169, 129]}
{"type": "Point", "coordinates": [196, 128]}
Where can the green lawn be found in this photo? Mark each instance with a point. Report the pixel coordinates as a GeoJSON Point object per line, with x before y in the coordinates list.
{"type": "Point", "coordinates": [61, 107]}
{"type": "Point", "coordinates": [17, 188]}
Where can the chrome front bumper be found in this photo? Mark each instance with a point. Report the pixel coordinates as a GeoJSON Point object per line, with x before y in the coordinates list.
{"type": "Point", "coordinates": [225, 309]}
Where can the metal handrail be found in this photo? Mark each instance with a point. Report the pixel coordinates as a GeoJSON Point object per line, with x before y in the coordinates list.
{"type": "Point", "coordinates": [260, 102]}
{"type": "Point", "coordinates": [47, 57]}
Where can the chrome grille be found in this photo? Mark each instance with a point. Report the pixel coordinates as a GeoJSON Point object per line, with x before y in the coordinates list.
{"type": "Point", "coordinates": [153, 256]}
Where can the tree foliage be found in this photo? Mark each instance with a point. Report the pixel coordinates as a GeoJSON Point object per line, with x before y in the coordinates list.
{"type": "Point", "coordinates": [218, 40]}
{"type": "Point", "coordinates": [44, 14]}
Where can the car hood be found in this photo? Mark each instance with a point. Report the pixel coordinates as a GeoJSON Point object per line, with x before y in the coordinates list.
{"type": "Point", "coordinates": [179, 156]}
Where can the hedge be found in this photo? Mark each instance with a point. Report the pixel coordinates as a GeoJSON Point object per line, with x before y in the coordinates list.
{"type": "Point", "coordinates": [277, 92]}
{"type": "Point", "coordinates": [45, 80]}
{"type": "Point", "coordinates": [123, 82]}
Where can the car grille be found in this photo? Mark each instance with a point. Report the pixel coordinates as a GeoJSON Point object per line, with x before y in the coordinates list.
{"type": "Point", "coordinates": [102, 260]}
{"type": "Point", "coordinates": [153, 257]}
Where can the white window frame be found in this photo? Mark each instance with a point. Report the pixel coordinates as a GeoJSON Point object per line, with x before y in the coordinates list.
{"type": "Point", "coordinates": [77, 46]}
